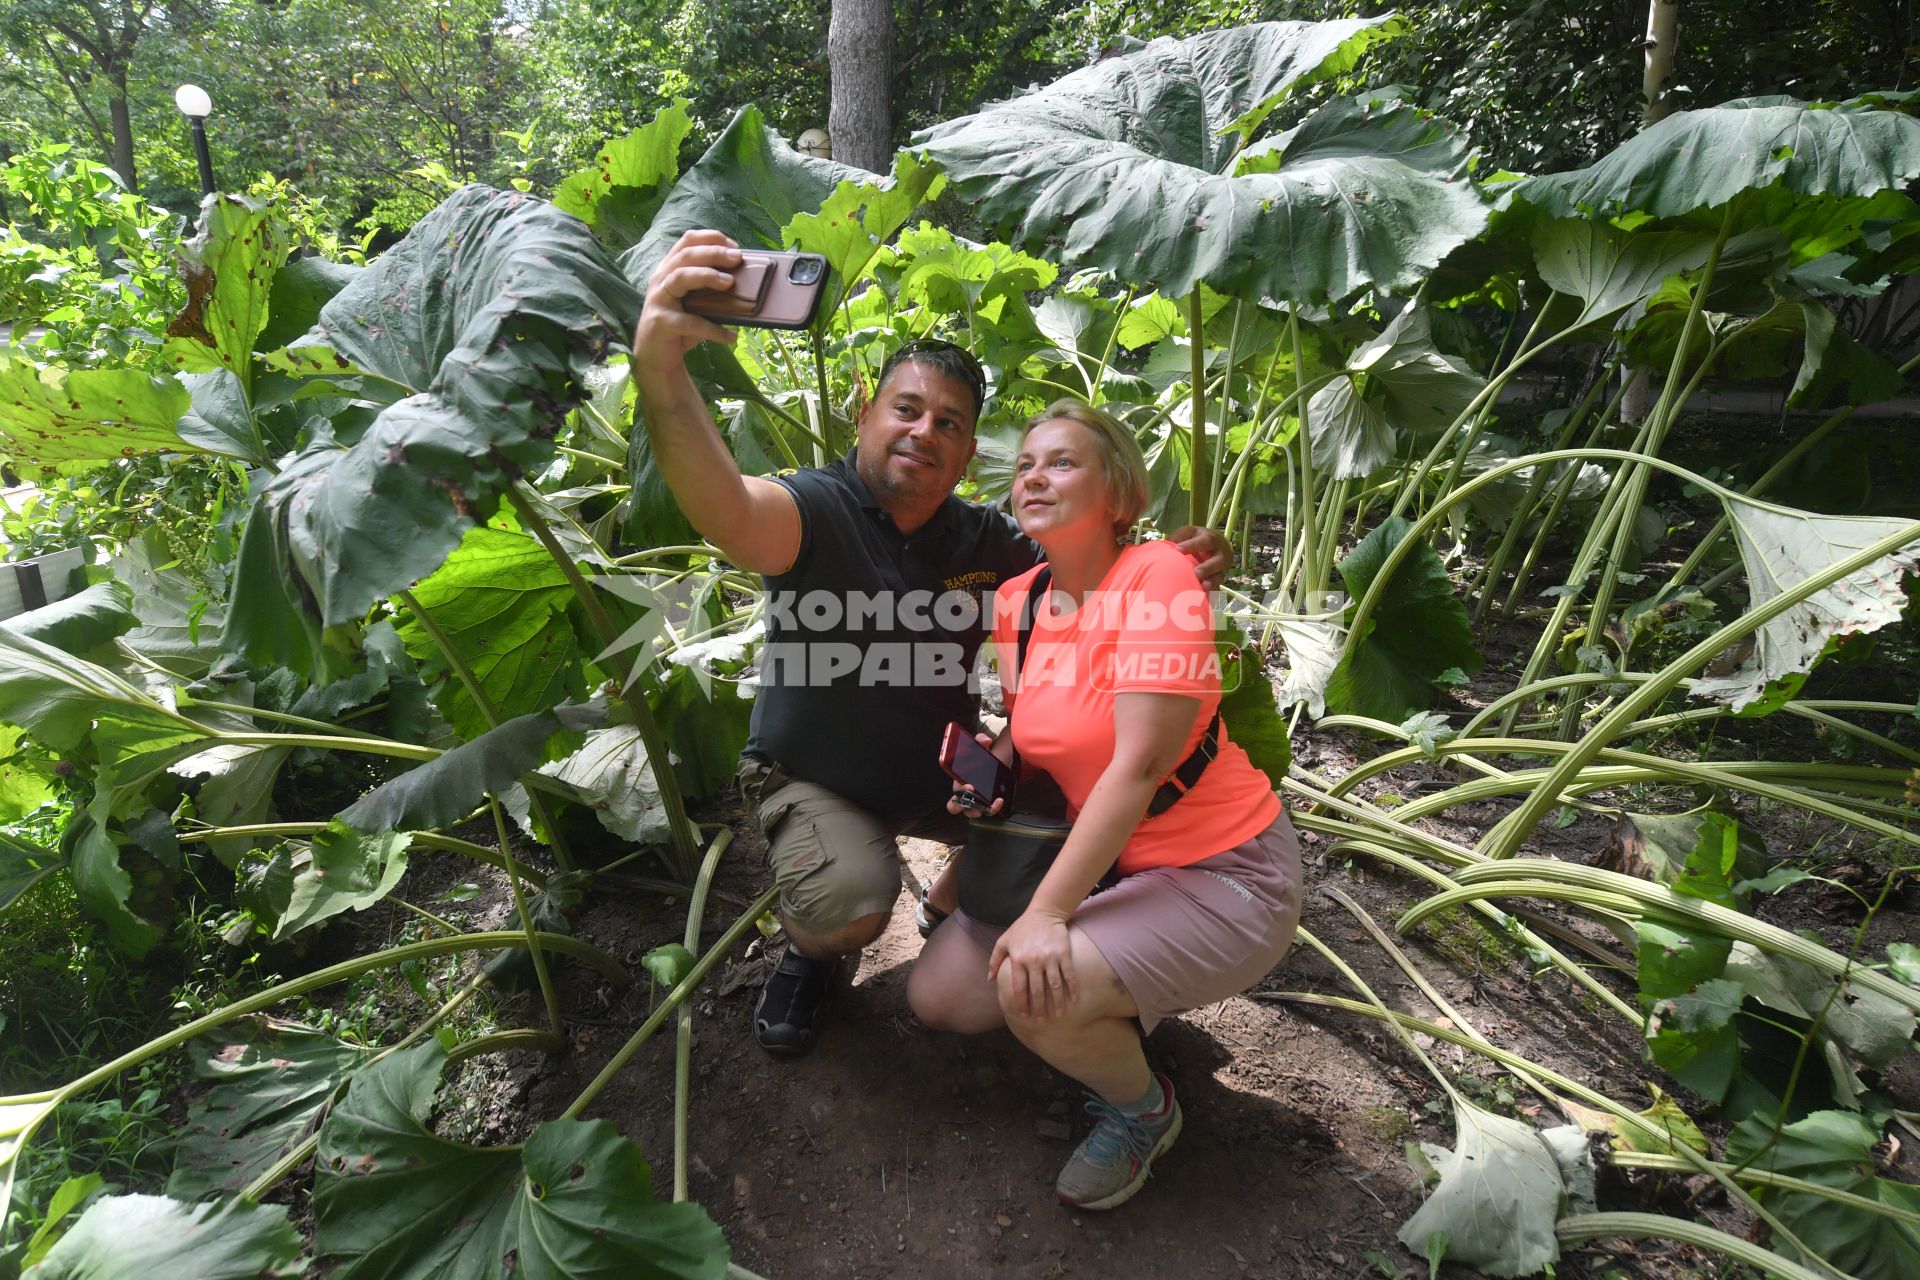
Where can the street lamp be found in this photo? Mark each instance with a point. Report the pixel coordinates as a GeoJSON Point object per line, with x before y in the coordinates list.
{"type": "Point", "coordinates": [195, 105]}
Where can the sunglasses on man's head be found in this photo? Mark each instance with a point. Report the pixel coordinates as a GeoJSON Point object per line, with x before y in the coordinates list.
{"type": "Point", "coordinates": [976, 375]}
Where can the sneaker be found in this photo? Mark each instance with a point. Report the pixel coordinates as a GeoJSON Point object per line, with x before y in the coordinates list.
{"type": "Point", "coordinates": [1112, 1164]}
{"type": "Point", "coordinates": [787, 1018]}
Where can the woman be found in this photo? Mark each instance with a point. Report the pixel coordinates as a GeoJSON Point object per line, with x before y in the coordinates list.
{"type": "Point", "coordinates": [1120, 687]}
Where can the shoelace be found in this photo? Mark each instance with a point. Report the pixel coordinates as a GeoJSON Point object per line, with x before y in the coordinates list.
{"type": "Point", "coordinates": [1115, 1133]}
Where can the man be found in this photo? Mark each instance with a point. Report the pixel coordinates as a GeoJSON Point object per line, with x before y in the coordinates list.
{"type": "Point", "coordinates": [880, 582]}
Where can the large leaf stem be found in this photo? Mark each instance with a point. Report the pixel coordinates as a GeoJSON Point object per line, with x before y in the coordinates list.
{"type": "Point", "coordinates": [683, 1032]}
{"type": "Point", "coordinates": [420, 840]}
{"type": "Point", "coordinates": [1659, 1226]}
{"type": "Point", "coordinates": [688, 985]}
{"type": "Point", "coordinates": [1634, 477]}
{"type": "Point", "coordinates": [1523, 511]}
{"type": "Point", "coordinates": [658, 760]}
{"type": "Point", "coordinates": [1570, 882]}
{"type": "Point", "coordinates": [526, 921]}
{"type": "Point", "coordinates": [1512, 830]}
{"type": "Point", "coordinates": [1200, 449]}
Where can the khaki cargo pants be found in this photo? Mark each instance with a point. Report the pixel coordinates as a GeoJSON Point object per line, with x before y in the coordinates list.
{"type": "Point", "coordinates": [833, 860]}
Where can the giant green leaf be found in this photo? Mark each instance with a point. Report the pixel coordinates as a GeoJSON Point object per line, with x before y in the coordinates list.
{"type": "Point", "coordinates": [1782, 548]}
{"type": "Point", "coordinates": [229, 267]}
{"type": "Point", "coordinates": [501, 601]}
{"type": "Point", "coordinates": [491, 313]}
{"type": "Point", "coordinates": [174, 624]}
{"type": "Point", "coordinates": [301, 289]}
{"type": "Point", "coordinates": [1398, 382]}
{"type": "Point", "coordinates": [749, 184]}
{"type": "Point", "coordinates": [942, 271]}
{"type": "Point", "coordinates": [22, 865]}
{"type": "Point", "coordinates": [859, 218]}
{"type": "Point", "coordinates": [620, 192]}
{"type": "Point", "coordinates": [1501, 1190]}
{"type": "Point", "coordinates": [80, 622]}
{"type": "Point", "coordinates": [1834, 1149]}
{"type": "Point", "coordinates": [1837, 368]}
{"type": "Point", "coordinates": [22, 787]}
{"type": "Point", "coordinates": [342, 870]}
{"type": "Point", "coordinates": [611, 775]}
{"type": "Point", "coordinates": [1129, 165]}
{"type": "Point", "coordinates": [392, 1200]}
{"type": "Point", "coordinates": [1703, 159]}
{"type": "Point", "coordinates": [1610, 270]}
{"type": "Point", "coordinates": [1417, 631]}
{"type": "Point", "coordinates": [69, 703]}
{"type": "Point", "coordinates": [444, 790]}
{"type": "Point", "coordinates": [265, 1083]}
{"type": "Point", "coordinates": [52, 415]}
{"type": "Point", "coordinates": [142, 1237]}
{"type": "Point", "coordinates": [1249, 712]}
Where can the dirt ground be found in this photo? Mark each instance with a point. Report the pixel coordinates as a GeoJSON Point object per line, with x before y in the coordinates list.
{"type": "Point", "coordinates": [895, 1151]}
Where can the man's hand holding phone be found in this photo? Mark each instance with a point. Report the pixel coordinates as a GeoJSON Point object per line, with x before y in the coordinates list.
{"type": "Point", "coordinates": [982, 782]}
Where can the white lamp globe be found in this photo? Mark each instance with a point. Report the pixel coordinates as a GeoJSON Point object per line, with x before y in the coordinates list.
{"type": "Point", "coordinates": [193, 101]}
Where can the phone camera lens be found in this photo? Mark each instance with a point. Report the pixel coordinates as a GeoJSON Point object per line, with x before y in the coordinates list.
{"type": "Point", "coordinates": [806, 270]}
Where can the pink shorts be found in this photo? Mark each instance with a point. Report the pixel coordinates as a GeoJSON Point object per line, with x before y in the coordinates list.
{"type": "Point", "coordinates": [1182, 937]}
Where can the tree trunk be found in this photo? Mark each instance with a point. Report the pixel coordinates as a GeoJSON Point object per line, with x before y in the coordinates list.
{"type": "Point", "coordinates": [860, 71]}
{"type": "Point", "coordinates": [1663, 20]}
{"type": "Point", "coordinates": [122, 132]}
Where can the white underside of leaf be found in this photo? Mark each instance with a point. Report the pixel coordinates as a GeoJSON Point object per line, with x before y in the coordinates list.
{"type": "Point", "coordinates": [1782, 550]}
{"type": "Point", "coordinates": [1500, 1193]}
{"type": "Point", "coordinates": [609, 773]}
{"type": "Point", "coordinates": [1313, 651]}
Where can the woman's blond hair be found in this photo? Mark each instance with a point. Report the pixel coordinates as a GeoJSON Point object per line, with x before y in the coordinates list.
{"type": "Point", "coordinates": [1118, 451]}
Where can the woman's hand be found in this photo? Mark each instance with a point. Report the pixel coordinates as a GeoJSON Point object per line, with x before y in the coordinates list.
{"type": "Point", "coordinates": [1041, 955]}
{"type": "Point", "coordinates": [976, 810]}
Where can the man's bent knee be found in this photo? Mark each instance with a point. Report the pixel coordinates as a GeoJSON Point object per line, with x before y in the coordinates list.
{"type": "Point", "coordinates": [827, 943]}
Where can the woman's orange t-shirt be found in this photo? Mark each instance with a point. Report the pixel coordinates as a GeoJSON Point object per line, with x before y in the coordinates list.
{"type": "Point", "coordinates": [1148, 628]}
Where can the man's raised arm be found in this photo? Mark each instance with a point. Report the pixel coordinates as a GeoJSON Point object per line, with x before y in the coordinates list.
{"type": "Point", "coordinates": [753, 521]}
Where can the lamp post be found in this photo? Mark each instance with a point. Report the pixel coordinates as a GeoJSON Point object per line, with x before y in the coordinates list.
{"type": "Point", "coordinates": [195, 105]}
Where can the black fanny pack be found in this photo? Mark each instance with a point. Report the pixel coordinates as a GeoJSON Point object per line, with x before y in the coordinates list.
{"type": "Point", "coordinates": [1007, 857]}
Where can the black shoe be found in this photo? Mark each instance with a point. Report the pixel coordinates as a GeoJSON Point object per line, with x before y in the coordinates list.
{"type": "Point", "coordinates": [926, 916]}
{"type": "Point", "coordinates": [787, 1019]}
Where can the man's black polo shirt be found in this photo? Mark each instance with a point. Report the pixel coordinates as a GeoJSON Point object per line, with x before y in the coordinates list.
{"type": "Point", "coordinates": [871, 639]}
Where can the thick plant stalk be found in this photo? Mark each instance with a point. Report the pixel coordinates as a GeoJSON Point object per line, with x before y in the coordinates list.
{"type": "Point", "coordinates": [683, 1047]}
{"type": "Point", "coordinates": [1772, 1181]}
{"type": "Point", "coordinates": [484, 701]}
{"type": "Point", "coordinates": [679, 826]}
{"type": "Point", "coordinates": [1562, 494]}
{"type": "Point", "coordinates": [1634, 478]}
{"type": "Point", "coordinates": [673, 1000]}
{"type": "Point", "coordinates": [1199, 449]}
{"type": "Point", "coordinates": [1306, 516]}
{"type": "Point", "coordinates": [1659, 1226]}
{"type": "Point", "coordinates": [420, 840]}
{"type": "Point", "coordinates": [526, 921]}
{"type": "Point", "coordinates": [1474, 413]}
{"type": "Point", "coordinates": [1505, 839]}
{"type": "Point", "coordinates": [1551, 878]}
{"type": "Point", "coordinates": [1523, 512]}
{"type": "Point", "coordinates": [35, 1107]}
{"type": "Point", "coordinates": [1427, 989]}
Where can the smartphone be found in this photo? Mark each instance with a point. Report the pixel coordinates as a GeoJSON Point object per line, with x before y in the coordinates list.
{"type": "Point", "coordinates": [770, 291]}
{"type": "Point", "coordinates": [976, 768]}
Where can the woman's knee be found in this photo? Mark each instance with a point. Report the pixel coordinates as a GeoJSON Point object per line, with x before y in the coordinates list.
{"type": "Point", "coordinates": [944, 998]}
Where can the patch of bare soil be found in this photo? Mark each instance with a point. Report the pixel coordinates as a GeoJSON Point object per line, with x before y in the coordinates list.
{"type": "Point", "coordinates": [894, 1151]}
